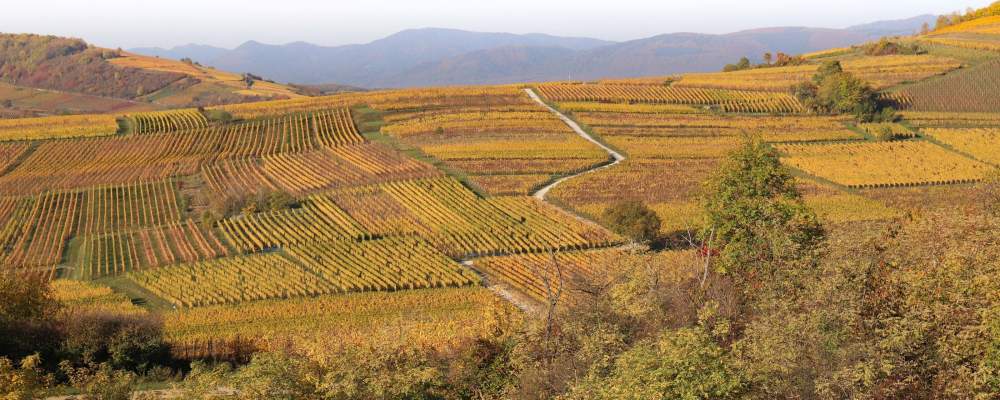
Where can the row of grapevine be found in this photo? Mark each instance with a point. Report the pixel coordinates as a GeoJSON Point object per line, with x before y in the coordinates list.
{"type": "Point", "coordinates": [313, 269]}
{"type": "Point", "coordinates": [10, 153]}
{"type": "Point", "coordinates": [119, 252]}
{"type": "Point", "coordinates": [312, 171]}
{"type": "Point", "coordinates": [40, 238]}
{"type": "Point", "coordinates": [72, 164]}
{"type": "Point", "coordinates": [57, 127]}
{"type": "Point", "coordinates": [336, 128]}
{"type": "Point", "coordinates": [971, 90]}
{"type": "Point", "coordinates": [166, 121]}
{"type": "Point", "coordinates": [317, 219]}
{"type": "Point", "coordinates": [884, 164]}
{"type": "Point", "coordinates": [729, 100]}
{"type": "Point", "coordinates": [106, 209]}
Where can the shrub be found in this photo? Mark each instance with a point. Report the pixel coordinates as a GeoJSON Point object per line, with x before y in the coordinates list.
{"type": "Point", "coordinates": [220, 116]}
{"type": "Point", "coordinates": [101, 381]}
{"type": "Point", "coordinates": [681, 364]}
{"type": "Point", "coordinates": [123, 342]}
{"type": "Point", "coordinates": [886, 47]}
{"type": "Point", "coordinates": [633, 219]}
{"type": "Point", "coordinates": [24, 383]}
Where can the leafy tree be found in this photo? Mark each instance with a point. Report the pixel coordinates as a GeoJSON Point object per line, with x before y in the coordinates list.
{"type": "Point", "coordinates": [743, 64]}
{"type": "Point", "coordinates": [684, 363]}
{"type": "Point", "coordinates": [633, 219]}
{"type": "Point", "coordinates": [834, 91]}
{"type": "Point", "coordinates": [756, 218]}
{"type": "Point", "coordinates": [27, 316]}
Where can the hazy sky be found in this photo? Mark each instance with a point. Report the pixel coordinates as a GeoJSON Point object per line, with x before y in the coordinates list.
{"type": "Point", "coordinates": [227, 23]}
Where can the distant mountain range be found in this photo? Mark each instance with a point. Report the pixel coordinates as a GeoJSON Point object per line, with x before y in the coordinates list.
{"type": "Point", "coordinates": [432, 56]}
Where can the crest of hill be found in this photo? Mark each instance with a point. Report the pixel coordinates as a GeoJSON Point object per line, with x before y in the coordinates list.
{"type": "Point", "coordinates": [48, 74]}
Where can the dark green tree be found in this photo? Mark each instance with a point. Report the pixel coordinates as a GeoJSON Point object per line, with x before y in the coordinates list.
{"type": "Point", "coordinates": [633, 219]}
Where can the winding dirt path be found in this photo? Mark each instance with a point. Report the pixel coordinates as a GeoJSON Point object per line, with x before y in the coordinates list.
{"type": "Point", "coordinates": [618, 157]}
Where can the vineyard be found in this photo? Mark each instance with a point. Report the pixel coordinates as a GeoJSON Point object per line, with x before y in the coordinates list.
{"type": "Point", "coordinates": [57, 127]}
{"type": "Point", "coordinates": [116, 253]}
{"type": "Point", "coordinates": [725, 100]}
{"type": "Point", "coordinates": [885, 164]}
{"type": "Point", "coordinates": [543, 275]}
{"type": "Point", "coordinates": [139, 158]}
{"type": "Point", "coordinates": [166, 121]}
{"type": "Point", "coordinates": [379, 216]}
{"type": "Point", "coordinates": [880, 72]}
{"type": "Point", "coordinates": [432, 318]}
{"type": "Point", "coordinates": [309, 270]}
{"type": "Point", "coordinates": [977, 34]}
{"type": "Point", "coordinates": [706, 136]}
{"type": "Point", "coordinates": [971, 90]}
{"type": "Point", "coordinates": [983, 144]}
{"type": "Point", "coordinates": [956, 120]}
{"type": "Point", "coordinates": [498, 141]}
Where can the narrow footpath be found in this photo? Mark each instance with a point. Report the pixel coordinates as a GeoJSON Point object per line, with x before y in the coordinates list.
{"type": "Point", "coordinates": [541, 193]}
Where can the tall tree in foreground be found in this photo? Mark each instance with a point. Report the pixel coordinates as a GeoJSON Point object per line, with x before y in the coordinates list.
{"type": "Point", "coordinates": [757, 225]}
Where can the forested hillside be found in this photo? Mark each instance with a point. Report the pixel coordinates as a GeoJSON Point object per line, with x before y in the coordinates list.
{"type": "Point", "coordinates": [48, 75]}
{"type": "Point", "coordinates": [71, 65]}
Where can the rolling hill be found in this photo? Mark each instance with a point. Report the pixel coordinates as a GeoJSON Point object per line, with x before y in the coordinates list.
{"type": "Point", "coordinates": [48, 74]}
{"type": "Point", "coordinates": [422, 57]}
